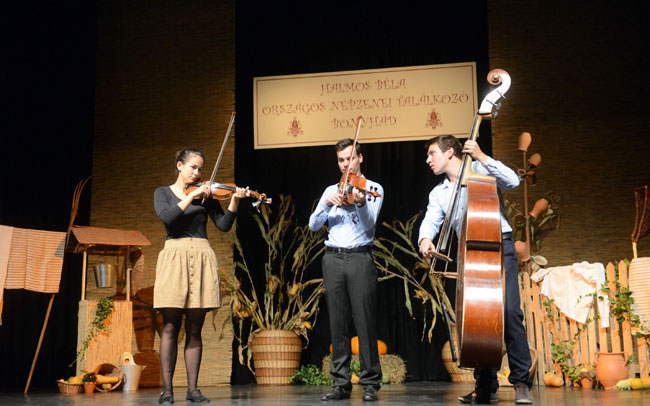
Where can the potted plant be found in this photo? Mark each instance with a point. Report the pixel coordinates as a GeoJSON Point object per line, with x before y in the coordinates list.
{"type": "Point", "coordinates": [587, 375]}
{"type": "Point", "coordinates": [89, 380]}
{"type": "Point", "coordinates": [288, 306]}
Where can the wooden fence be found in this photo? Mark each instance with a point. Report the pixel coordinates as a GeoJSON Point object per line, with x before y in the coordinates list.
{"type": "Point", "coordinates": [583, 340]}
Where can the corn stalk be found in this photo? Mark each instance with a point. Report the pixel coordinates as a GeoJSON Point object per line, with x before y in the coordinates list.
{"type": "Point", "coordinates": [413, 270]}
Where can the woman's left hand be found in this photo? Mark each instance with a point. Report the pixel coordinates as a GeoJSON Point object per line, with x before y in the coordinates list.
{"type": "Point", "coordinates": [242, 192]}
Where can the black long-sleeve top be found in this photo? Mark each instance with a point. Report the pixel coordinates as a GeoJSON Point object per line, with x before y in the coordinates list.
{"type": "Point", "coordinates": [192, 222]}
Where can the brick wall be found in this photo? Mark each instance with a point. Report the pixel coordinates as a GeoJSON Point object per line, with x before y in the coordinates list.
{"type": "Point", "coordinates": [579, 87]}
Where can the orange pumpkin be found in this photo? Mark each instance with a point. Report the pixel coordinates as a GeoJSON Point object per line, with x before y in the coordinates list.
{"type": "Point", "coordinates": [382, 347]}
{"type": "Point", "coordinates": [354, 343]}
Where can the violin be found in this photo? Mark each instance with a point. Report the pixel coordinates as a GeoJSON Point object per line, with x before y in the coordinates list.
{"type": "Point", "coordinates": [359, 182]}
{"type": "Point", "coordinates": [350, 180]}
{"type": "Point", "coordinates": [224, 191]}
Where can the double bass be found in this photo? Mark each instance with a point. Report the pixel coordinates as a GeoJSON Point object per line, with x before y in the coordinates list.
{"type": "Point", "coordinates": [480, 278]}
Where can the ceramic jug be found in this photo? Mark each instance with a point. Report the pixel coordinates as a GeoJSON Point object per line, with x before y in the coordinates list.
{"type": "Point", "coordinates": [611, 368]}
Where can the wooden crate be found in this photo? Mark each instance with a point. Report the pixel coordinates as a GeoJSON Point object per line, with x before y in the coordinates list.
{"type": "Point", "coordinates": [589, 338]}
{"type": "Point", "coordinates": [107, 346]}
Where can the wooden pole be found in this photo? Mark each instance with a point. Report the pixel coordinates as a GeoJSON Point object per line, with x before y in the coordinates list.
{"type": "Point", "coordinates": [83, 274]}
{"type": "Point", "coordinates": [526, 214]}
{"type": "Point", "coordinates": [127, 272]}
{"type": "Point", "coordinates": [40, 341]}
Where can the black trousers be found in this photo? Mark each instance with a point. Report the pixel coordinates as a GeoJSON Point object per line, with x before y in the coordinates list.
{"type": "Point", "coordinates": [513, 330]}
{"type": "Point", "coordinates": [351, 284]}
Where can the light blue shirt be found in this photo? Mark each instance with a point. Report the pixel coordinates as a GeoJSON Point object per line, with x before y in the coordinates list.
{"type": "Point", "coordinates": [441, 194]}
{"type": "Point", "coordinates": [349, 226]}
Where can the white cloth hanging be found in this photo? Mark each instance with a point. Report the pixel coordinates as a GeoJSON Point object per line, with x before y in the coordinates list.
{"type": "Point", "coordinates": [570, 288]}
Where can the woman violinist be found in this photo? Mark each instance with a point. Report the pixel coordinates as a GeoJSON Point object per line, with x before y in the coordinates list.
{"type": "Point", "coordinates": [187, 277]}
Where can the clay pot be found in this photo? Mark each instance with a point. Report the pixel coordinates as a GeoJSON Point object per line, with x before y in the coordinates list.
{"type": "Point", "coordinates": [540, 207]}
{"type": "Point", "coordinates": [522, 251]}
{"type": "Point", "coordinates": [524, 141]}
{"type": "Point", "coordinates": [535, 160]}
{"type": "Point", "coordinates": [611, 368]}
{"type": "Point", "coordinates": [89, 387]}
{"type": "Point", "coordinates": [586, 383]}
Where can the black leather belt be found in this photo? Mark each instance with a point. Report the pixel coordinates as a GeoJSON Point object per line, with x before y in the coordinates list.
{"type": "Point", "coordinates": [337, 250]}
{"type": "Point", "coordinates": [507, 236]}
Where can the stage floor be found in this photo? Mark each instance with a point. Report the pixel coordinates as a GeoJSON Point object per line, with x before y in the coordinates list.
{"type": "Point", "coordinates": [412, 393]}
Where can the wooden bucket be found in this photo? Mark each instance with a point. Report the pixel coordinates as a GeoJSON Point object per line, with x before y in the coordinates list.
{"type": "Point", "coordinates": [276, 354]}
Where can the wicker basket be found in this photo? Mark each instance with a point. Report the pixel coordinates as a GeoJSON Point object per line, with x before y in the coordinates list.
{"type": "Point", "coordinates": [70, 388]}
{"type": "Point", "coordinates": [458, 375]}
{"type": "Point", "coordinates": [276, 354]}
{"type": "Point", "coordinates": [109, 370]}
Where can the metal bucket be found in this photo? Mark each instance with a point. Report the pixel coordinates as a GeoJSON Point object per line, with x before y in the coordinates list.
{"type": "Point", "coordinates": [105, 275]}
{"type": "Point", "coordinates": [131, 376]}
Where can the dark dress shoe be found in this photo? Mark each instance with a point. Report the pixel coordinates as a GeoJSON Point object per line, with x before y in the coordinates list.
{"type": "Point", "coordinates": [370, 394]}
{"type": "Point", "coordinates": [166, 397]}
{"type": "Point", "coordinates": [195, 396]}
{"type": "Point", "coordinates": [337, 393]}
{"type": "Point", "coordinates": [472, 398]}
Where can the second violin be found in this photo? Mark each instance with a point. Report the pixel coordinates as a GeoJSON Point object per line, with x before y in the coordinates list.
{"type": "Point", "coordinates": [224, 191]}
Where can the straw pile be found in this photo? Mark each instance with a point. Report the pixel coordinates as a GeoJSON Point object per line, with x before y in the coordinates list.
{"type": "Point", "coordinates": [391, 365]}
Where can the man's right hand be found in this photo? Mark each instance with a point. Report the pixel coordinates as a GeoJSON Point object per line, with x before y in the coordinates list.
{"type": "Point", "coordinates": [427, 248]}
{"type": "Point", "coordinates": [335, 199]}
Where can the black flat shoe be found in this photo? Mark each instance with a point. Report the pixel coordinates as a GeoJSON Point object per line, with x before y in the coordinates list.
{"type": "Point", "coordinates": [195, 396]}
{"type": "Point", "coordinates": [166, 397]}
{"type": "Point", "coordinates": [337, 393]}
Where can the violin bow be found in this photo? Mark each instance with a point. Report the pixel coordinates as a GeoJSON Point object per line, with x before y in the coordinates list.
{"type": "Point", "coordinates": [223, 148]}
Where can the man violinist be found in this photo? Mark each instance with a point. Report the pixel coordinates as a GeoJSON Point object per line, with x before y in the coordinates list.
{"type": "Point", "coordinates": [349, 274]}
{"type": "Point", "coordinates": [444, 157]}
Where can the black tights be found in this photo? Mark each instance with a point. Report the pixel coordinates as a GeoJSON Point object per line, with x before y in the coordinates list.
{"type": "Point", "coordinates": [172, 321]}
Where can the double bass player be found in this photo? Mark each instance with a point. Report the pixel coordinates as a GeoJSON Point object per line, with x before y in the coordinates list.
{"type": "Point", "coordinates": [444, 157]}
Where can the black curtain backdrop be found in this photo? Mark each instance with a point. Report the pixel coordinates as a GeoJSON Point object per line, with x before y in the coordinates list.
{"type": "Point", "coordinates": [296, 37]}
{"type": "Point", "coordinates": [47, 84]}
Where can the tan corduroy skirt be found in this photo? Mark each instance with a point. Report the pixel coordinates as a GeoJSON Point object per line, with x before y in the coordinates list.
{"type": "Point", "coordinates": [187, 275]}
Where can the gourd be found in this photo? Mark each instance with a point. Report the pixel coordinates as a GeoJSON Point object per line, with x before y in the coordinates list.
{"type": "Point", "coordinates": [551, 379]}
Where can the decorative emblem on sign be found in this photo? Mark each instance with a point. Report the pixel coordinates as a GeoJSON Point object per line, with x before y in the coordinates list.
{"type": "Point", "coordinates": [294, 128]}
{"type": "Point", "coordinates": [433, 120]}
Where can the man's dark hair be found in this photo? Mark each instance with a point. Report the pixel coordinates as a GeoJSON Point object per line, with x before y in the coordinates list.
{"type": "Point", "coordinates": [346, 142]}
{"type": "Point", "coordinates": [445, 142]}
